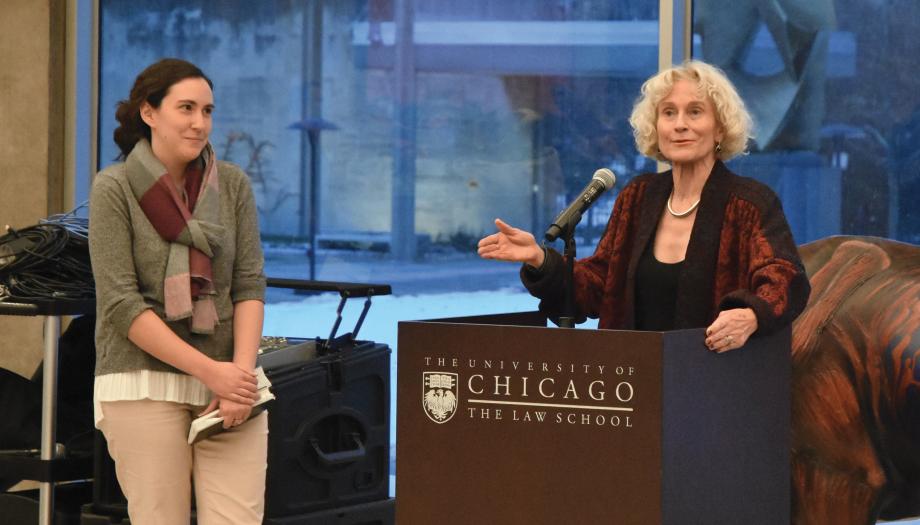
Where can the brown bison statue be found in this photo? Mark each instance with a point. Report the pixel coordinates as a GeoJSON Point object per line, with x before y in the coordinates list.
{"type": "Point", "coordinates": [856, 384]}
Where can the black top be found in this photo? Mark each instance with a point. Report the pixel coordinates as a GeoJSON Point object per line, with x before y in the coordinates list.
{"type": "Point", "coordinates": [656, 292]}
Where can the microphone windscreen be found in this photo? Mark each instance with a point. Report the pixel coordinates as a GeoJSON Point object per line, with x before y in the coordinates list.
{"type": "Point", "coordinates": [607, 178]}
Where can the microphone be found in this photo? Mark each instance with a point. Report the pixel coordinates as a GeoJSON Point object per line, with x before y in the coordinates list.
{"type": "Point", "coordinates": [602, 181]}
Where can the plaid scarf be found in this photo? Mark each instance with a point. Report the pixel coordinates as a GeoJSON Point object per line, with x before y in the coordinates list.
{"type": "Point", "coordinates": [191, 225]}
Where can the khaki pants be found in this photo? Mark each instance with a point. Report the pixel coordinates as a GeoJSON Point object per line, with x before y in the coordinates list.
{"type": "Point", "coordinates": [156, 466]}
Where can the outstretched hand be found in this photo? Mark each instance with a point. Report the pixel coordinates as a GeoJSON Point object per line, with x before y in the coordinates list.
{"type": "Point", "coordinates": [511, 244]}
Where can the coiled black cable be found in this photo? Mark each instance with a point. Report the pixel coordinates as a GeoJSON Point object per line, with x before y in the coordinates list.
{"type": "Point", "coordinates": [48, 261]}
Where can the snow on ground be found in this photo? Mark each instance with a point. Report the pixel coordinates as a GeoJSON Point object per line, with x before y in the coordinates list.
{"type": "Point", "coordinates": [314, 315]}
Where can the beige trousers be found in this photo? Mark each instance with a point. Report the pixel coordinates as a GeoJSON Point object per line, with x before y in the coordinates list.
{"type": "Point", "coordinates": [156, 466]}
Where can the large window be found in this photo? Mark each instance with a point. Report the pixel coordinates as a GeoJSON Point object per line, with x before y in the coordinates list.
{"type": "Point", "coordinates": [384, 136]}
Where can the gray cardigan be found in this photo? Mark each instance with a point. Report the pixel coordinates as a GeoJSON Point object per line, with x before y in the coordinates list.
{"type": "Point", "coordinates": [129, 265]}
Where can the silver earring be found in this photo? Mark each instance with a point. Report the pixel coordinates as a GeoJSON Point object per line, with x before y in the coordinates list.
{"type": "Point", "coordinates": [718, 147]}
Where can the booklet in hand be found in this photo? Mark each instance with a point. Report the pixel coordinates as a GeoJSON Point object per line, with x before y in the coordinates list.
{"type": "Point", "coordinates": [211, 423]}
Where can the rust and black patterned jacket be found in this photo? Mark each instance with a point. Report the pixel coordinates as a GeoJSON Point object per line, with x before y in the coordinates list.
{"type": "Point", "coordinates": [741, 255]}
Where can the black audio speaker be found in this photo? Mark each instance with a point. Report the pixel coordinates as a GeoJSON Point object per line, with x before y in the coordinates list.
{"type": "Point", "coordinates": [329, 431]}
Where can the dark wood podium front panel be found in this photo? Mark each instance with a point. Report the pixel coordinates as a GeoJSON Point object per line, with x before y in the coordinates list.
{"type": "Point", "coordinates": [726, 431]}
{"type": "Point", "coordinates": [510, 424]}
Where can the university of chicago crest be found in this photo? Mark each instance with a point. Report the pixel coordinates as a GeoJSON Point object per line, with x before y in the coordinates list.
{"type": "Point", "coordinates": [439, 395]}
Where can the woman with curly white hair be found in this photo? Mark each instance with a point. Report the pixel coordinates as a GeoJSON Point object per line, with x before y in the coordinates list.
{"type": "Point", "coordinates": [694, 246]}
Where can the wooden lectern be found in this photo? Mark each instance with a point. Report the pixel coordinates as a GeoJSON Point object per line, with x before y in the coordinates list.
{"type": "Point", "coordinates": [503, 420]}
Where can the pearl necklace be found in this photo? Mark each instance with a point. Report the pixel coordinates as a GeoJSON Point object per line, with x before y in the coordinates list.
{"type": "Point", "coordinates": [683, 213]}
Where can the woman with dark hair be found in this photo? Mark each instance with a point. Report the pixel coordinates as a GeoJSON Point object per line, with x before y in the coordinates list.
{"type": "Point", "coordinates": [174, 242]}
{"type": "Point", "coordinates": [695, 246]}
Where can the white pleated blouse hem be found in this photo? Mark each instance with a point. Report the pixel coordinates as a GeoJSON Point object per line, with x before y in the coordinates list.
{"type": "Point", "coordinates": [147, 384]}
